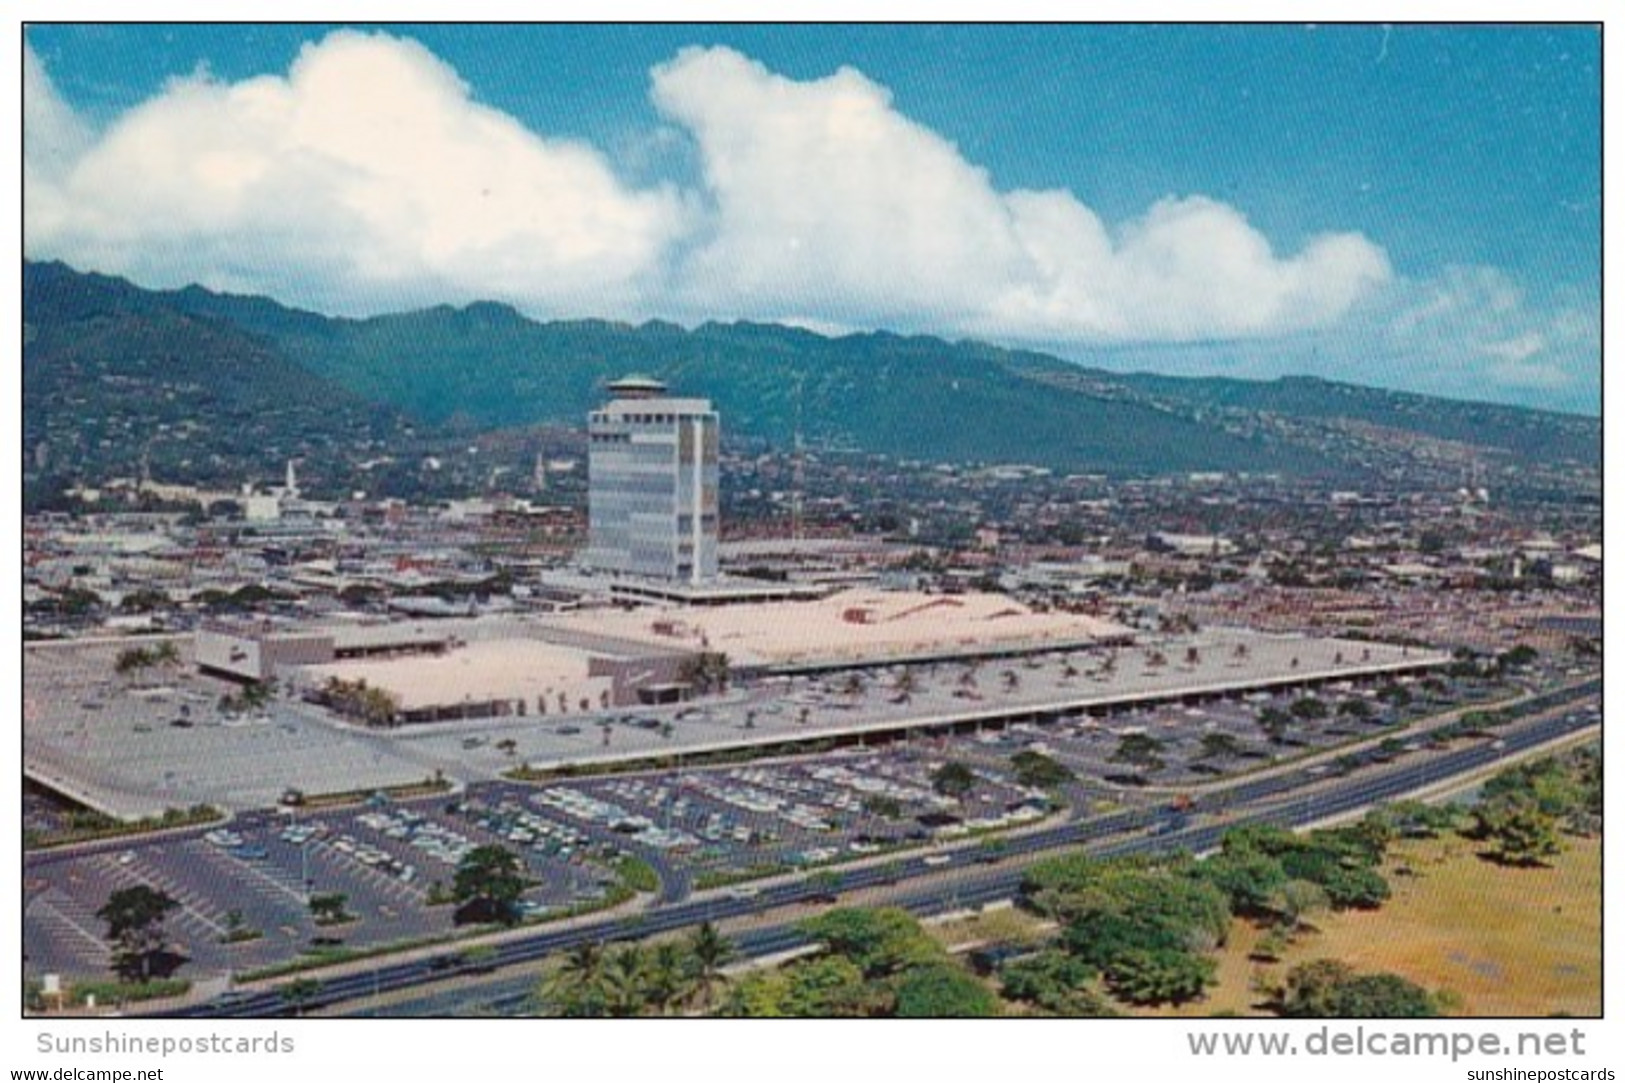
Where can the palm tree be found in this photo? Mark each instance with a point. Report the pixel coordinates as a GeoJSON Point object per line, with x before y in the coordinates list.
{"type": "Point", "coordinates": [710, 951]}
{"type": "Point", "coordinates": [668, 977]}
{"type": "Point", "coordinates": [576, 988]}
{"type": "Point", "coordinates": [624, 984]}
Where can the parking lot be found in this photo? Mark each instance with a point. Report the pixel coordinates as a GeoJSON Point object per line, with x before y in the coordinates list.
{"type": "Point", "coordinates": [698, 827]}
{"type": "Point", "coordinates": [257, 876]}
{"type": "Point", "coordinates": [715, 824]}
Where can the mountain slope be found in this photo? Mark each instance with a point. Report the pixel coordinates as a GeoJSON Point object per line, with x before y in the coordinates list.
{"type": "Point", "coordinates": [113, 373]}
{"type": "Point", "coordinates": [486, 366]}
{"type": "Point", "coordinates": [1522, 432]}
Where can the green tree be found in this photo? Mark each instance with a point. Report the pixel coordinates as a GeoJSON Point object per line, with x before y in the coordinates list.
{"type": "Point", "coordinates": [625, 990]}
{"type": "Point", "coordinates": [1520, 656]}
{"type": "Point", "coordinates": [1142, 908]}
{"type": "Point", "coordinates": [1034, 769]}
{"type": "Point", "coordinates": [1310, 987]}
{"type": "Point", "coordinates": [1160, 976]}
{"type": "Point", "coordinates": [953, 779]}
{"type": "Point", "coordinates": [329, 909]}
{"type": "Point", "coordinates": [1220, 746]}
{"type": "Point", "coordinates": [132, 660]}
{"type": "Point", "coordinates": [1340, 860]}
{"type": "Point", "coordinates": [1275, 723]}
{"type": "Point", "coordinates": [1354, 708]}
{"type": "Point", "coordinates": [1394, 695]}
{"type": "Point", "coordinates": [135, 928]}
{"type": "Point", "coordinates": [488, 883]}
{"type": "Point", "coordinates": [707, 671]}
{"type": "Point", "coordinates": [1297, 899]}
{"type": "Point", "coordinates": [1326, 988]}
{"type": "Point", "coordinates": [1249, 879]}
{"type": "Point", "coordinates": [943, 990]}
{"type": "Point", "coordinates": [1055, 981]}
{"type": "Point", "coordinates": [1308, 709]}
{"type": "Point", "coordinates": [832, 986]}
{"type": "Point", "coordinates": [761, 994]}
{"type": "Point", "coordinates": [577, 989]}
{"type": "Point", "coordinates": [1382, 996]}
{"type": "Point", "coordinates": [378, 706]}
{"type": "Point", "coordinates": [1414, 819]}
{"type": "Point", "coordinates": [299, 992]}
{"type": "Point", "coordinates": [1140, 751]}
{"type": "Point", "coordinates": [1348, 886]}
{"type": "Point", "coordinates": [1522, 831]}
{"type": "Point", "coordinates": [668, 976]}
{"type": "Point", "coordinates": [1260, 838]}
{"type": "Point", "coordinates": [887, 808]}
{"type": "Point", "coordinates": [1550, 783]}
{"type": "Point", "coordinates": [710, 952]}
{"type": "Point", "coordinates": [878, 941]}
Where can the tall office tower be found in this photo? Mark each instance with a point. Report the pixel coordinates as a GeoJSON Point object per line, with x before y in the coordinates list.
{"type": "Point", "coordinates": [652, 484]}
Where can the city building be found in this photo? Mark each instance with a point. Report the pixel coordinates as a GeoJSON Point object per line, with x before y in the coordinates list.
{"type": "Point", "coordinates": [652, 484]}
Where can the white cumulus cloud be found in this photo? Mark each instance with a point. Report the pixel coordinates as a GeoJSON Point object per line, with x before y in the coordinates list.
{"type": "Point", "coordinates": [366, 177]}
{"type": "Point", "coordinates": [822, 189]}
{"type": "Point", "coordinates": [369, 178]}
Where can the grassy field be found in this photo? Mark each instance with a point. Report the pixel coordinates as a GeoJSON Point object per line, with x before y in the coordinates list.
{"type": "Point", "coordinates": [1505, 941]}
{"type": "Point", "coordinates": [995, 926]}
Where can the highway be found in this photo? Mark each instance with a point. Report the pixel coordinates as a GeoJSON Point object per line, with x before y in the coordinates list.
{"type": "Point", "coordinates": [1292, 799]}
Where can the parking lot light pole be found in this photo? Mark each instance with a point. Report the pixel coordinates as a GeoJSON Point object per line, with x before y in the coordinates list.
{"type": "Point", "coordinates": [304, 868]}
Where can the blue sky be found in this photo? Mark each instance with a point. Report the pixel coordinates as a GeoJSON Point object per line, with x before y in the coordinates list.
{"type": "Point", "coordinates": [1415, 207]}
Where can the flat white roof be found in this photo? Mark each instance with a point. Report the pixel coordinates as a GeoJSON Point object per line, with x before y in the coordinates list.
{"type": "Point", "coordinates": [852, 624]}
{"type": "Point", "coordinates": [476, 673]}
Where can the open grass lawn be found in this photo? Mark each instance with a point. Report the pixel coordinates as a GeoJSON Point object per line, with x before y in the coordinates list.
{"type": "Point", "coordinates": [1506, 941]}
{"type": "Point", "coordinates": [994, 926]}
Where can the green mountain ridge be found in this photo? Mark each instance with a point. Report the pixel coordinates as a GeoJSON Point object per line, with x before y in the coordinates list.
{"type": "Point", "coordinates": [486, 366]}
